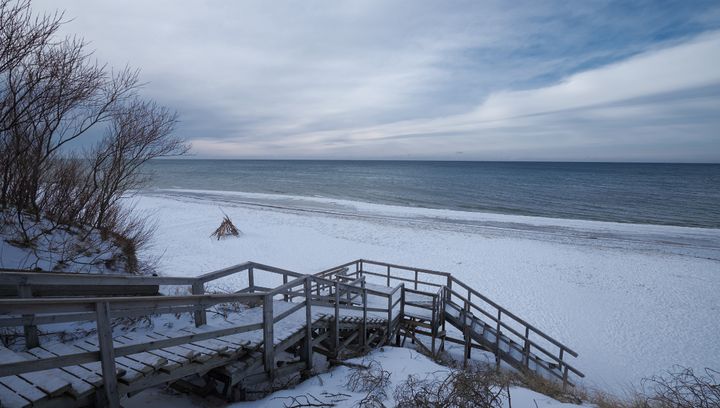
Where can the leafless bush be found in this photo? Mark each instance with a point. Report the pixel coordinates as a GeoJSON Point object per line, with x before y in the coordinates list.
{"type": "Point", "coordinates": [326, 400]}
{"type": "Point", "coordinates": [459, 389]}
{"type": "Point", "coordinates": [372, 380]}
{"type": "Point", "coordinates": [682, 387]}
{"type": "Point", "coordinates": [52, 92]}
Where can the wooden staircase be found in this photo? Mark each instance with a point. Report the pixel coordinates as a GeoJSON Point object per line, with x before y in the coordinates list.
{"type": "Point", "coordinates": [339, 313]}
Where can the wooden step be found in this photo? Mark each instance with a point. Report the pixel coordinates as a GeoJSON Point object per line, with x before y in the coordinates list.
{"type": "Point", "coordinates": [46, 381]}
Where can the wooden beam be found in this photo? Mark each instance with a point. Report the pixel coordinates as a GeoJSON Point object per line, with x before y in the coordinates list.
{"type": "Point", "coordinates": [107, 355]}
{"type": "Point", "coordinates": [268, 335]}
{"type": "Point", "coordinates": [198, 288]}
{"type": "Point", "coordinates": [32, 338]}
{"type": "Point", "coordinates": [308, 357]}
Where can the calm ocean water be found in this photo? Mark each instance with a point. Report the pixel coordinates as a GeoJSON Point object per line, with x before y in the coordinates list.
{"type": "Point", "coordinates": [669, 194]}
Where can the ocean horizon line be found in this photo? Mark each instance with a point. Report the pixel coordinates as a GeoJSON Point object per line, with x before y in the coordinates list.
{"type": "Point", "coordinates": [187, 158]}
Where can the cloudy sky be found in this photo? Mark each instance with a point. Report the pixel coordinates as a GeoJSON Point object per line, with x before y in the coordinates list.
{"type": "Point", "coordinates": [475, 80]}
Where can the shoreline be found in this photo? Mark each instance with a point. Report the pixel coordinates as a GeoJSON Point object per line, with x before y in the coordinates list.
{"type": "Point", "coordinates": [691, 241]}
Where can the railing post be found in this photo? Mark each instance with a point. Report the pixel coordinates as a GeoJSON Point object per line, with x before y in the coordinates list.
{"type": "Point", "coordinates": [107, 355]}
{"type": "Point", "coordinates": [308, 327]}
{"type": "Point", "coordinates": [388, 276]}
{"type": "Point", "coordinates": [416, 279]}
{"type": "Point", "coordinates": [401, 316]}
{"type": "Point", "coordinates": [433, 323]}
{"type": "Point", "coordinates": [286, 297]}
{"type": "Point", "coordinates": [336, 329]}
{"type": "Point", "coordinates": [449, 286]}
{"type": "Point", "coordinates": [364, 319]}
{"type": "Point", "coordinates": [198, 288]}
{"type": "Point", "coordinates": [268, 335]}
{"type": "Point", "coordinates": [251, 279]}
{"type": "Point", "coordinates": [497, 339]}
{"type": "Point", "coordinates": [526, 348]}
{"type": "Point", "coordinates": [32, 339]}
{"type": "Point", "coordinates": [389, 318]}
{"type": "Point", "coordinates": [443, 293]}
{"type": "Point", "coordinates": [466, 333]}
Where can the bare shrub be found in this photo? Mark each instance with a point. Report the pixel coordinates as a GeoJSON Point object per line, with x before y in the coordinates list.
{"type": "Point", "coordinates": [372, 380]}
{"type": "Point", "coordinates": [52, 93]}
{"type": "Point", "coordinates": [459, 389]}
{"type": "Point", "coordinates": [682, 387]}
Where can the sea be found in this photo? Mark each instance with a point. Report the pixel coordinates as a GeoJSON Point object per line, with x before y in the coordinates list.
{"type": "Point", "coordinates": [641, 193]}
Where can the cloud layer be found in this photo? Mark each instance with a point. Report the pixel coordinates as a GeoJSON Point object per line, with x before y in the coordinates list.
{"type": "Point", "coordinates": [422, 80]}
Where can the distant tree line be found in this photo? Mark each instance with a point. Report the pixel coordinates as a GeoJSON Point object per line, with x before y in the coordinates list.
{"type": "Point", "coordinates": [53, 95]}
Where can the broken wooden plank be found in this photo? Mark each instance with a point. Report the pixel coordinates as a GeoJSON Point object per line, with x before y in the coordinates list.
{"type": "Point", "coordinates": [79, 388]}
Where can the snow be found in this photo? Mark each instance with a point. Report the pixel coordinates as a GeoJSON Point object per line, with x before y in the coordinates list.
{"type": "Point", "coordinates": [55, 247]}
{"type": "Point", "coordinates": [398, 361]}
{"type": "Point", "coordinates": [632, 300]}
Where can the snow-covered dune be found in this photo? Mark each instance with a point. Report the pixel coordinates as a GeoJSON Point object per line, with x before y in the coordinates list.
{"type": "Point", "coordinates": [633, 300]}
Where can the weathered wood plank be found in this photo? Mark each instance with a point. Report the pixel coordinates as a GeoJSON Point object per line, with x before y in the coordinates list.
{"type": "Point", "coordinates": [172, 361]}
{"type": "Point", "coordinates": [43, 380]}
{"type": "Point", "coordinates": [149, 361]}
{"type": "Point", "coordinates": [132, 370]}
{"type": "Point", "coordinates": [107, 355]}
{"type": "Point", "coordinates": [62, 349]}
{"type": "Point", "coordinates": [9, 399]}
{"type": "Point", "coordinates": [200, 354]}
{"type": "Point", "coordinates": [81, 387]}
{"type": "Point", "coordinates": [24, 389]}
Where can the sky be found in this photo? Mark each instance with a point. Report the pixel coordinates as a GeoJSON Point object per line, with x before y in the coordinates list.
{"type": "Point", "coordinates": [423, 80]}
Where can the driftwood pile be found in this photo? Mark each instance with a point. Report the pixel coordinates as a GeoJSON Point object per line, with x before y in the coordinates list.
{"type": "Point", "coordinates": [226, 229]}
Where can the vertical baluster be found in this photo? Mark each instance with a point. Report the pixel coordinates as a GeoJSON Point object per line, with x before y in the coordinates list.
{"type": "Point", "coordinates": [389, 318]}
{"type": "Point", "coordinates": [336, 329]}
{"type": "Point", "coordinates": [198, 288]}
{"type": "Point", "coordinates": [401, 315]}
{"type": "Point", "coordinates": [497, 339]}
{"type": "Point", "coordinates": [308, 326]}
{"type": "Point", "coordinates": [286, 297]}
{"type": "Point", "coordinates": [364, 319]}
{"type": "Point", "coordinates": [32, 338]}
{"type": "Point", "coordinates": [466, 332]}
{"type": "Point", "coordinates": [268, 336]}
{"type": "Point", "coordinates": [251, 279]}
{"type": "Point", "coordinates": [526, 348]}
{"type": "Point", "coordinates": [434, 324]}
{"type": "Point", "coordinates": [107, 354]}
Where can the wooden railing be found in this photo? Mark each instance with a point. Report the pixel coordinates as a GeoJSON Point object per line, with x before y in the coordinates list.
{"type": "Point", "coordinates": [347, 288]}
{"type": "Point", "coordinates": [313, 290]}
{"type": "Point", "coordinates": [534, 343]}
{"type": "Point", "coordinates": [28, 282]}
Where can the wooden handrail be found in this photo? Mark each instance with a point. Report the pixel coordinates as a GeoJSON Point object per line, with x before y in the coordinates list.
{"type": "Point", "coordinates": [52, 278]}
{"type": "Point", "coordinates": [515, 317]}
{"type": "Point", "coordinates": [500, 311]}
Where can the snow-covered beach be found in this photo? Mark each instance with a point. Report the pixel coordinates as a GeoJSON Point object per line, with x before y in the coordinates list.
{"type": "Point", "coordinates": [632, 300]}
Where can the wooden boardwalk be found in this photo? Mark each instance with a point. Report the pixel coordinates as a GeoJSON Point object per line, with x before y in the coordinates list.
{"type": "Point", "coordinates": [284, 321]}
